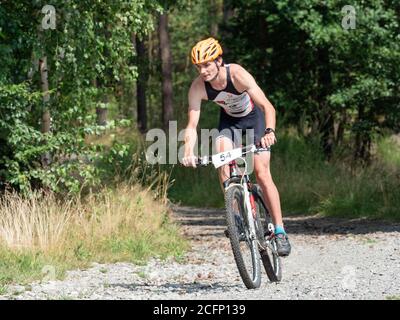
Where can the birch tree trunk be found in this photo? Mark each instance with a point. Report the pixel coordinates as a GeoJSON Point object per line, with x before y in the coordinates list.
{"type": "Point", "coordinates": [166, 67]}
{"type": "Point", "coordinates": [46, 120]}
{"type": "Point", "coordinates": [141, 85]}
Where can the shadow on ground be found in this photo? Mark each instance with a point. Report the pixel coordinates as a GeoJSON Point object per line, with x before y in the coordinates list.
{"type": "Point", "coordinates": [181, 288]}
{"type": "Point", "coordinates": [210, 218]}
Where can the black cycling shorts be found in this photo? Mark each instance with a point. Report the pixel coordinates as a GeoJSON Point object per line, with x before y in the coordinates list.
{"type": "Point", "coordinates": [237, 129]}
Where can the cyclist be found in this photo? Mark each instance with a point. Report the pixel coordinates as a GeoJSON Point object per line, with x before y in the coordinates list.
{"type": "Point", "coordinates": [242, 105]}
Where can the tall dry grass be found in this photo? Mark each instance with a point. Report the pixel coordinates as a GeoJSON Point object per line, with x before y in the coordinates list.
{"type": "Point", "coordinates": [123, 224]}
{"type": "Point", "coordinates": [36, 222]}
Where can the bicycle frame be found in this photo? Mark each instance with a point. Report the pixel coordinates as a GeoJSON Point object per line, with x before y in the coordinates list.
{"type": "Point", "coordinates": [258, 241]}
{"type": "Point", "coordinates": [244, 181]}
{"type": "Point", "coordinates": [237, 178]}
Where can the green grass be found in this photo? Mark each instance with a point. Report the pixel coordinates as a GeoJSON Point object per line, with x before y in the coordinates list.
{"type": "Point", "coordinates": [369, 241]}
{"type": "Point", "coordinates": [141, 274]}
{"type": "Point", "coordinates": [103, 270]}
{"type": "Point", "coordinates": [139, 247]}
{"type": "Point", "coordinates": [389, 150]}
{"type": "Point", "coordinates": [3, 289]}
{"type": "Point", "coordinates": [392, 298]}
{"type": "Point", "coordinates": [196, 187]}
{"type": "Point", "coordinates": [308, 184]}
{"type": "Point", "coordinates": [24, 266]}
{"type": "Point", "coordinates": [372, 192]}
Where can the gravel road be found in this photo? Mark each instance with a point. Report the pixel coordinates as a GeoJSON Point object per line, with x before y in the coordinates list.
{"type": "Point", "coordinates": [331, 259]}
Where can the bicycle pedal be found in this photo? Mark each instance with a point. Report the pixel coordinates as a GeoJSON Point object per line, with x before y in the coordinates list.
{"type": "Point", "coordinates": [268, 234]}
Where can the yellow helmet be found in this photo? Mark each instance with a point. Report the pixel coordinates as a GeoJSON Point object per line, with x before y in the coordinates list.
{"type": "Point", "coordinates": [206, 50]}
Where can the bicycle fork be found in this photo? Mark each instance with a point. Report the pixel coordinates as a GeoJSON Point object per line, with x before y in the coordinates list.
{"type": "Point", "coordinates": [249, 212]}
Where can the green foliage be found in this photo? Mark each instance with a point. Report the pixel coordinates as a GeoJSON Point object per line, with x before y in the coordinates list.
{"type": "Point", "coordinates": [196, 187]}
{"type": "Point", "coordinates": [23, 145]}
{"type": "Point", "coordinates": [336, 86]}
{"type": "Point", "coordinates": [188, 24]}
{"type": "Point", "coordinates": [319, 74]}
{"type": "Point", "coordinates": [17, 137]}
{"type": "Point", "coordinates": [388, 151]}
{"type": "Point", "coordinates": [307, 183]}
{"type": "Point", "coordinates": [89, 54]}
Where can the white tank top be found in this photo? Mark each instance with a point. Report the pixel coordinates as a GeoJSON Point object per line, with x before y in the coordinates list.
{"type": "Point", "coordinates": [234, 103]}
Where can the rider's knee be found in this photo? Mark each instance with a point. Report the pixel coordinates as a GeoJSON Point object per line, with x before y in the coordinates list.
{"type": "Point", "coordinates": [223, 143]}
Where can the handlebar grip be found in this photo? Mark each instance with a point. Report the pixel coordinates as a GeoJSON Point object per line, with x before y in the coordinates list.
{"type": "Point", "coordinates": [259, 148]}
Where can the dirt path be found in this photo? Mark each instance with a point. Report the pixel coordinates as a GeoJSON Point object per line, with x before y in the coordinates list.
{"type": "Point", "coordinates": [331, 259]}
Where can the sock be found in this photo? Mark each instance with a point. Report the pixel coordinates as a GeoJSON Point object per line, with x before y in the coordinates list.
{"type": "Point", "coordinates": [279, 229]}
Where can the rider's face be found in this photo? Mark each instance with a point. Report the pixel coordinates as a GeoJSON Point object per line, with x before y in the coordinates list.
{"type": "Point", "coordinates": [207, 70]}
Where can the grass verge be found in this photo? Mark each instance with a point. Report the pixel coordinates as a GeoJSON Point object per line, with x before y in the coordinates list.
{"type": "Point", "coordinates": [308, 184]}
{"type": "Point", "coordinates": [42, 237]}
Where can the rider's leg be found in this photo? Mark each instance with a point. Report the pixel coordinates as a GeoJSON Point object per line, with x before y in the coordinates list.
{"type": "Point", "coordinates": [270, 192]}
{"type": "Point", "coordinates": [271, 196]}
{"type": "Point", "coordinates": [222, 144]}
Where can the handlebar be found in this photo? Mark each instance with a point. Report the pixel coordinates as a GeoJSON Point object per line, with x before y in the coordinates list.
{"type": "Point", "coordinates": [206, 160]}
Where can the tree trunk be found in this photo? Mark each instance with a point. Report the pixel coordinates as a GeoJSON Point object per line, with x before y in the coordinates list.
{"type": "Point", "coordinates": [102, 112]}
{"type": "Point", "coordinates": [341, 128]}
{"type": "Point", "coordinates": [327, 134]}
{"type": "Point", "coordinates": [104, 82]}
{"type": "Point", "coordinates": [227, 31]}
{"type": "Point", "coordinates": [363, 138]}
{"type": "Point", "coordinates": [46, 97]}
{"type": "Point", "coordinates": [166, 67]}
{"type": "Point", "coordinates": [227, 10]}
{"type": "Point", "coordinates": [46, 120]}
{"type": "Point", "coordinates": [326, 114]}
{"type": "Point", "coordinates": [214, 13]}
{"type": "Point", "coordinates": [141, 85]}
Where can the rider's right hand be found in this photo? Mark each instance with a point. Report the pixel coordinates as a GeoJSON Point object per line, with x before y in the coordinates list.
{"type": "Point", "coordinates": [189, 160]}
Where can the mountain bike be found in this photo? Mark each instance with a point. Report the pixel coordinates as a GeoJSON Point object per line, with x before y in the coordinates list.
{"type": "Point", "coordinates": [250, 228]}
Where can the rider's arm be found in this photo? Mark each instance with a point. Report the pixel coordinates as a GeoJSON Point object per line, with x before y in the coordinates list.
{"type": "Point", "coordinates": [195, 96]}
{"type": "Point", "coordinates": [244, 81]}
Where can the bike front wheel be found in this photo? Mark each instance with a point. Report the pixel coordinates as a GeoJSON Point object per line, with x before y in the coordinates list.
{"type": "Point", "coordinates": [244, 248]}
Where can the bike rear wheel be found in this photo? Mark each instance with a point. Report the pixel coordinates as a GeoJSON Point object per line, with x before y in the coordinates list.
{"type": "Point", "coordinates": [245, 249]}
{"type": "Point", "coordinates": [268, 249]}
